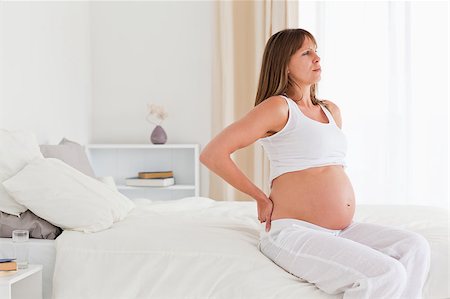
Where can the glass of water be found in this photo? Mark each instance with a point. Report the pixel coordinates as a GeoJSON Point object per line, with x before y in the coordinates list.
{"type": "Point", "coordinates": [20, 243]}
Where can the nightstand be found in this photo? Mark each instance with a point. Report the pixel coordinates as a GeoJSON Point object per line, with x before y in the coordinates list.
{"type": "Point", "coordinates": [22, 284]}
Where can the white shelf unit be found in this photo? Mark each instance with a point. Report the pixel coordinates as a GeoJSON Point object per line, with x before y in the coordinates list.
{"type": "Point", "coordinates": [123, 161]}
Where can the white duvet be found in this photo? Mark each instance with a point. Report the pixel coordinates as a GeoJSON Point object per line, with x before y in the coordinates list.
{"type": "Point", "coordinates": [201, 248]}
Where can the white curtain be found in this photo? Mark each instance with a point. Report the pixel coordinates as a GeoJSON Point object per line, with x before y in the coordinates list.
{"type": "Point", "coordinates": [243, 28]}
{"type": "Point", "coordinates": [385, 64]}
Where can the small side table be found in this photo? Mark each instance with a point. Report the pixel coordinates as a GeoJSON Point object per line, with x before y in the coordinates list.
{"type": "Point", "coordinates": [22, 284]}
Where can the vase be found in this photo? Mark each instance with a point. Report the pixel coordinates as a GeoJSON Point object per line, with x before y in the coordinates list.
{"type": "Point", "coordinates": [158, 136]}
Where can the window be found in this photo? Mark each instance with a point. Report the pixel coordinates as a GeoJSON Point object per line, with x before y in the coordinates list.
{"type": "Point", "coordinates": [385, 64]}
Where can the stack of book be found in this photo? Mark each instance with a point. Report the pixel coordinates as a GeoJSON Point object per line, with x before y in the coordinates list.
{"type": "Point", "coordinates": [152, 179]}
{"type": "Point", "coordinates": [8, 265]}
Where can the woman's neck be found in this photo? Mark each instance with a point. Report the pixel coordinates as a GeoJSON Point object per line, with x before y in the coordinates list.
{"type": "Point", "coordinates": [301, 95]}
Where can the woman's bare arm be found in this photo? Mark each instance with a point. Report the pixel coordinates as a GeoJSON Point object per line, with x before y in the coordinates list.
{"type": "Point", "coordinates": [270, 115]}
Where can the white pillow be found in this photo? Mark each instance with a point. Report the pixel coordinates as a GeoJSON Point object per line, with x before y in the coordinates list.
{"type": "Point", "coordinates": [66, 197]}
{"type": "Point", "coordinates": [109, 181]}
{"type": "Point", "coordinates": [17, 148]}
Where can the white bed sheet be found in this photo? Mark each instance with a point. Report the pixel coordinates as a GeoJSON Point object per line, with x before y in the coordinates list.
{"type": "Point", "coordinates": [200, 248]}
{"type": "Point", "coordinates": [42, 252]}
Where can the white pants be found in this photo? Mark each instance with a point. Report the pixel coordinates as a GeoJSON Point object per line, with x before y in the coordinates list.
{"type": "Point", "coordinates": [362, 261]}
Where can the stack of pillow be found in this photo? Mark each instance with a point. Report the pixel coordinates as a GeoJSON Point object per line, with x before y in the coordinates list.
{"type": "Point", "coordinates": [46, 188]}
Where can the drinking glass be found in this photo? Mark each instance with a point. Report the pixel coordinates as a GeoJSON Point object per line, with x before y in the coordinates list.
{"type": "Point", "coordinates": [20, 243]}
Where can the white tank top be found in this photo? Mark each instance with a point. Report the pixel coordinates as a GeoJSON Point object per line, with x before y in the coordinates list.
{"type": "Point", "coordinates": [304, 143]}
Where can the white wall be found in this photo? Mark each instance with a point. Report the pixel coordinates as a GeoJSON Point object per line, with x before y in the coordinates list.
{"type": "Point", "coordinates": [86, 70]}
{"type": "Point", "coordinates": [45, 69]}
{"type": "Point", "coordinates": [152, 52]}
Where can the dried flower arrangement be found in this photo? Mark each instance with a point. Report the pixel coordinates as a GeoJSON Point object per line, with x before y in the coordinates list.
{"type": "Point", "coordinates": [156, 114]}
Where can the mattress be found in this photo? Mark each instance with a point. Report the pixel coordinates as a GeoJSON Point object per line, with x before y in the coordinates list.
{"type": "Point", "coordinates": [200, 248]}
{"type": "Point", "coordinates": [41, 252]}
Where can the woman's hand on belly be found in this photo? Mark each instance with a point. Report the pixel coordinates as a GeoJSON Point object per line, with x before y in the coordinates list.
{"type": "Point", "coordinates": [265, 209]}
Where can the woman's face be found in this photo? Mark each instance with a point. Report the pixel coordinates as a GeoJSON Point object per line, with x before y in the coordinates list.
{"type": "Point", "coordinates": [304, 66]}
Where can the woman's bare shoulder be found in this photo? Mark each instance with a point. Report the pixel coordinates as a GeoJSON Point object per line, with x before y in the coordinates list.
{"type": "Point", "coordinates": [274, 112]}
{"type": "Point", "coordinates": [335, 112]}
{"type": "Point", "coordinates": [275, 106]}
{"type": "Point", "coordinates": [331, 104]}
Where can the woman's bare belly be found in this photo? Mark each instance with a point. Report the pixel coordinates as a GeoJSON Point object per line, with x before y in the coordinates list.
{"type": "Point", "coordinates": [321, 195]}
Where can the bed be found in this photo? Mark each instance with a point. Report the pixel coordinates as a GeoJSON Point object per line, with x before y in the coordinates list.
{"type": "Point", "coordinates": [200, 248]}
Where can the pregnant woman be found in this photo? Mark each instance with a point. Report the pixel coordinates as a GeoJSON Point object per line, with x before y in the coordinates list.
{"type": "Point", "coordinates": [307, 227]}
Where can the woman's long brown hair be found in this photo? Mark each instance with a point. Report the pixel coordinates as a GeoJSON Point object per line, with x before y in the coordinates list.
{"type": "Point", "coordinates": [274, 78]}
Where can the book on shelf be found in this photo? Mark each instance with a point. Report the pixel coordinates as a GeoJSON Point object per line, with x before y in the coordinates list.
{"type": "Point", "coordinates": [155, 174]}
{"type": "Point", "coordinates": [8, 266]}
{"type": "Point", "coordinates": [162, 182]}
